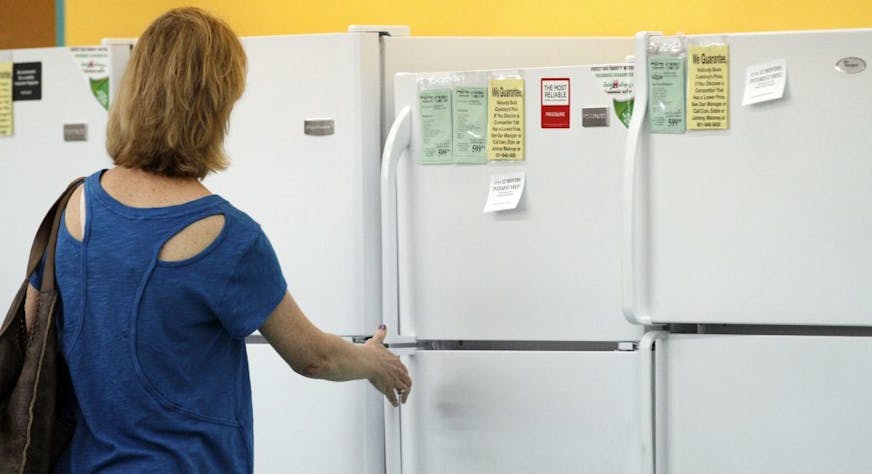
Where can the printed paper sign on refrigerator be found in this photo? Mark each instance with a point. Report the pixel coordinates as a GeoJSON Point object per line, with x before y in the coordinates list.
{"type": "Point", "coordinates": [765, 82]}
{"type": "Point", "coordinates": [505, 191]}
{"type": "Point", "coordinates": [555, 102]}
{"type": "Point", "coordinates": [6, 120]}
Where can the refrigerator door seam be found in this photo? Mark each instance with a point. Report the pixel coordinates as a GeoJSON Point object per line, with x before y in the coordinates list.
{"type": "Point", "coordinates": [649, 402]}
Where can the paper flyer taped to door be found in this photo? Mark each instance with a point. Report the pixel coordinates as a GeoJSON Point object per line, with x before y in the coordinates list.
{"type": "Point", "coordinates": [708, 92]}
{"type": "Point", "coordinates": [765, 82]}
{"type": "Point", "coordinates": [666, 102]}
{"type": "Point", "coordinates": [434, 105]}
{"type": "Point", "coordinates": [6, 117]}
{"type": "Point", "coordinates": [505, 191]}
{"type": "Point", "coordinates": [470, 124]}
{"type": "Point", "coordinates": [555, 102]}
{"type": "Point", "coordinates": [506, 120]}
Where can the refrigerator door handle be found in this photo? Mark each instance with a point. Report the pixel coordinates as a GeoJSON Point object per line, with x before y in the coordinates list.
{"type": "Point", "coordinates": [651, 404]}
{"type": "Point", "coordinates": [397, 142]}
{"type": "Point", "coordinates": [393, 439]}
{"type": "Point", "coordinates": [629, 258]}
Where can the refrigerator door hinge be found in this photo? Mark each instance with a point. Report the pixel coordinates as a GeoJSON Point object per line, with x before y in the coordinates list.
{"type": "Point", "coordinates": [627, 346]}
{"type": "Point", "coordinates": [382, 30]}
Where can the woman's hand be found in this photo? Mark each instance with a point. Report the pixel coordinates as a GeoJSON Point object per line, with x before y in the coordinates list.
{"type": "Point", "coordinates": [316, 354]}
{"type": "Point", "coordinates": [390, 376]}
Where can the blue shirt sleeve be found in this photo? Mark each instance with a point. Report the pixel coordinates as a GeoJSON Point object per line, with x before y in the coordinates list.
{"type": "Point", "coordinates": [254, 290]}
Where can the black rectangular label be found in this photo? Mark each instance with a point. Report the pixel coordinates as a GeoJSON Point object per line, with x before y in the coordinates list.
{"type": "Point", "coordinates": [27, 81]}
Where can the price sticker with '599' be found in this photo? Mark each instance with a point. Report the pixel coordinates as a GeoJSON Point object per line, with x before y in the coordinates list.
{"type": "Point", "coordinates": [470, 124]}
{"type": "Point", "coordinates": [666, 98]}
{"type": "Point", "coordinates": [434, 106]}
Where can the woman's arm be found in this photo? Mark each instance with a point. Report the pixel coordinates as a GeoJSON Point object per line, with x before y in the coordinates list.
{"type": "Point", "coordinates": [313, 353]}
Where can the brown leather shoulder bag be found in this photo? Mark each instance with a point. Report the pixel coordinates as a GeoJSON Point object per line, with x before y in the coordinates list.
{"type": "Point", "coordinates": [34, 380]}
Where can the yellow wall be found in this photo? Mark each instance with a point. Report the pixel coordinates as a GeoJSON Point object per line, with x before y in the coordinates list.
{"type": "Point", "coordinates": [87, 21]}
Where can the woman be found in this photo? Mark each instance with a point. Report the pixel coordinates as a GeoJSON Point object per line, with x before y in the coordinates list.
{"type": "Point", "coordinates": [161, 280]}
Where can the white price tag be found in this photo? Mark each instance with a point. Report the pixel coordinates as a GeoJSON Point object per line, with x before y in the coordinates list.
{"type": "Point", "coordinates": [505, 191]}
{"type": "Point", "coordinates": [765, 82]}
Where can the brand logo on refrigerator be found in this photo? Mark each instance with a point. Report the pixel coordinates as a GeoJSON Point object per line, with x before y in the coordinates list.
{"type": "Point", "coordinates": [851, 65]}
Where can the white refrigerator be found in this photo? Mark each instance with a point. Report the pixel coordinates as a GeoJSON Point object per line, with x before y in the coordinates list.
{"type": "Point", "coordinates": [749, 248]}
{"type": "Point", "coordinates": [520, 357]}
{"type": "Point", "coordinates": [305, 146]}
{"type": "Point", "coordinates": [55, 138]}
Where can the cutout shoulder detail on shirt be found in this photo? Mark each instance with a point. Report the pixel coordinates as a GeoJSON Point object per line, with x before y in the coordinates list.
{"type": "Point", "coordinates": [193, 239]}
{"type": "Point", "coordinates": [74, 215]}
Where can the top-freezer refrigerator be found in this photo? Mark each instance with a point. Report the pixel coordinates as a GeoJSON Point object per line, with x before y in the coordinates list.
{"type": "Point", "coordinates": [749, 245]}
{"type": "Point", "coordinates": [305, 145]}
{"type": "Point", "coordinates": [522, 361]}
{"type": "Point", "coordinates": [58, 134]}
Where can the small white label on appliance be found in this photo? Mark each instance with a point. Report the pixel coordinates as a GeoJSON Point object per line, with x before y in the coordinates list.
{"type": "Point", "coordinates": [765, 82]}
{"type": "Point", "coordinates": [505, 191]}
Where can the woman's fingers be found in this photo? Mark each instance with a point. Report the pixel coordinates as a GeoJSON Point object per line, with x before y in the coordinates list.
{"type": "Point", "coordinates": [395, 382]}
{"type": "Point", "coordinates": [379, 336]}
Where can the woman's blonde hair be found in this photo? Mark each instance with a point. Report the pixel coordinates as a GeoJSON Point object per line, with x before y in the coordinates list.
{"type": "Point", "coordinates": [172, 110]}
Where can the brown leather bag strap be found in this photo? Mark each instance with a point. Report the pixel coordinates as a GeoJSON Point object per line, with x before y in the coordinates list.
{"type": "Point", "coordinates": [46, 238]}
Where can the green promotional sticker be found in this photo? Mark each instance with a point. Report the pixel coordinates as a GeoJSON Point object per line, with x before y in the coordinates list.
{"type": "Point", "coordinates": [624, 110]}
{"type": "Point", "coordinates": [94, 63]}
{"type": "Point", "coordinates": [435, 110]}
{"type": "Point", "coordinates": [470, 125]}
{"type": "Point", "coordinates": [617, 83]}
{"type": "Point", "coordinates": [666, 99]}
{"type": "Point", "coordinates": [100, 89]}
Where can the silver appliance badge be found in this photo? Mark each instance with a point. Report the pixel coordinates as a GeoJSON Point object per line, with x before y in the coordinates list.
{"type": "Point", "coordinates": [75, 132]}
{"type": "Point", "coordinates": [851, 65]}
{"type": "Point", "coordinates": [595, 117]}
{"type": "Point", "coordinates": [318, 127]}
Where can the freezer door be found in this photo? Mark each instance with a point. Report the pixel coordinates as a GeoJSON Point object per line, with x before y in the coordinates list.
{"type": "Point", "coordinates": [304, 150]}
{"type": "Point", "coordinates": [36, 163]}
{"type": "Point", "coordinates": [773, 404]}
{"type": "Point", "coordinates": [522, 412]}
{"type": "Point", "coordinates": [548, 270]}
{"type": "Point", "coordinates": [459, 53]}
{"type": "Point", "coordinates": [770, 221]}
{"type": "Point", "coordinates": [303, 425]}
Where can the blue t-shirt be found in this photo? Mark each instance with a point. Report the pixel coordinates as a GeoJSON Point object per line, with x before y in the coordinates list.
{"type": "Point", "coordinates": [156, 350]}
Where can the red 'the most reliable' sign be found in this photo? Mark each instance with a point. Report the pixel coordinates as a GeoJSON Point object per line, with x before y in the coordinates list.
{"type": "Point", "coordinates": [555, 102]}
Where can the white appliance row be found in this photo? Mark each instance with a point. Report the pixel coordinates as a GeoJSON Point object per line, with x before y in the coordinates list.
{"type": "Point", "coordinates": [658, 303]}
{"type": "Point", "coordinates": [743, 255]}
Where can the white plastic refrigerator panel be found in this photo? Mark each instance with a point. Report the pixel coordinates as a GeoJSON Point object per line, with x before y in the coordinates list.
{"type": "Point", "coordinates": [548, 270]}
{"type": "Point", "coordinates": [768, 222]}
{"type": "Point", "coordinates": [36, 164]}
{"type": "Point", "coordinates": [754, 404]}
{"type": "Point", "coordinates": [522, 412]}
{"type": "Point", "coordinates": [304, 425]}
{"type": "Point", "coordinates": [316, 196]}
